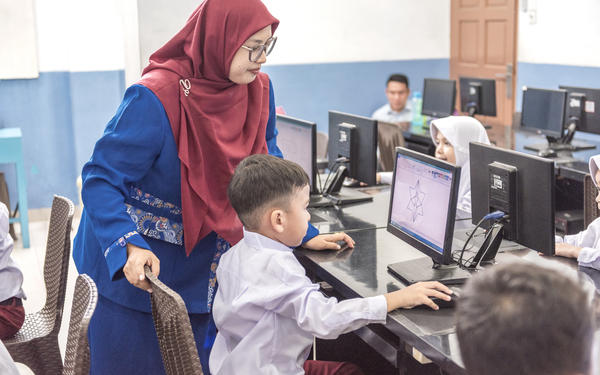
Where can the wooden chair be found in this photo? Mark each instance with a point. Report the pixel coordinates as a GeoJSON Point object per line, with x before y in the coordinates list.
{"type": "Point", "coordinates": [77, 354]}
{"type": "Point", "coordinates": [388, 138]}
{"type": "Point", "coordinates": [173, 328]}
{"type": "Point", "coordinates": [36, 343]}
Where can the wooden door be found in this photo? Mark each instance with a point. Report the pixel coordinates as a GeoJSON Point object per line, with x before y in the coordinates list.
{"type": "Point", "coordinates": [483, 43]}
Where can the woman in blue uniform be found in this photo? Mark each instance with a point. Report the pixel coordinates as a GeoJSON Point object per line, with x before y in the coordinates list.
{"type": "Point", "coordinates": [155, 188]}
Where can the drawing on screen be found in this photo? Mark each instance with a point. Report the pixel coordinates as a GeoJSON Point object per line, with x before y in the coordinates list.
{"type": "Point", "coordinates": [415, 204]}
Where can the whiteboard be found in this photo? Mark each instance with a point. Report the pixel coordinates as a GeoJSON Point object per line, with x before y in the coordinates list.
{"type": "Point", "coordinates": [18, 45]}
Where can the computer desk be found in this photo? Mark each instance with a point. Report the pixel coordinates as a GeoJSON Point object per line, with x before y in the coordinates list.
{"type": "Point", "coordinates": [362, 272]}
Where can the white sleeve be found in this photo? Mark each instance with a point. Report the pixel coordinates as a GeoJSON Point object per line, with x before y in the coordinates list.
{"type": "Point", "coordinates": [386, 177]}
{"type": "Point", "coordinates": [589, 257]}
{"type": "Point", "coordinates": [7, 365]}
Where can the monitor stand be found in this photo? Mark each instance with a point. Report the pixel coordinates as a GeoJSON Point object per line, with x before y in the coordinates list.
{"type": "Point", "coordinates": [557, 145]}
{"type": "Point", "coordinates": [333, 190]}
{"type": "Point", "coordinates": [424, 269]}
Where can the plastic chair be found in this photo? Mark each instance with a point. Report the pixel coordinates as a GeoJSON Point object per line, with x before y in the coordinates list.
{"type": "Point", "coordinates": [173, 328]}
{"type": "Point", "coordinates": [388, 138]}
{"type": "Point", "coordinates": [77, 355]}
{"type": "Point", "coordinates": [36, 343]}
{"type": "Point", "coordinates": [590, 207]}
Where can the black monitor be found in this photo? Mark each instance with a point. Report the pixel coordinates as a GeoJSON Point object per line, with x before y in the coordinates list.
{"type": "Point", "coordinates": [543, 111]}
{"type": "Point", "coordinates": [352, 152]}
{"type": "Point", "coordinates": [583, 107]}
{"type": "Point", "coordinates": [439, 97]}
{"type": "Point", "coordinates": [422, 213]}
{"type": "Point", "coordinates": [297, 140]}
{"type": "Point", "coordinates": [520, 185]}
{"type": "Point", "coordinates": [478, 96]}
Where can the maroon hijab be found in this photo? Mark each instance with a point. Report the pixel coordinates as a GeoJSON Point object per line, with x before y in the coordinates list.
{"type": "Point", "coordinates": [216, 123]}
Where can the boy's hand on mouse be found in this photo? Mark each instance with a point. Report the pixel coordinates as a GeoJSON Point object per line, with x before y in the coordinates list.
{"type": "Point", "coordinates": [134, 268]}
{"type": "Point", "coordinates": [418, 294]}
{"type": "Point", "coordinates": [328, 241]}
{"type": "Point", "coordinates": [565, 250]}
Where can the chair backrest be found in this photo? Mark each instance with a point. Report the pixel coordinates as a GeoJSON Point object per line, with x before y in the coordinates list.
{"type": "Point", "coordinates": [590, 207]}
{"type": "Point", "coordinates": [322, 143]}
{"type": "Point", "coordinates": [58, 252]}
{"type": "Point", "coordinates": [174, 331]}
{"type": "Point", "coordinates": [77, 354]}
{"type": "Point", "coordinates": [388, 138]}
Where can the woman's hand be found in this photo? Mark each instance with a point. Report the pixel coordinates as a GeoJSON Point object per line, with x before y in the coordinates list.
{"type": "Point", "coordinates": [134, 268]}
{"type": "Point", "coordinates": [328, 241]}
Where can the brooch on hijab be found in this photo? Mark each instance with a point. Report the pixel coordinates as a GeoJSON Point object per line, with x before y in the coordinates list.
{"type": "Point", "coordinates": [186, 85]}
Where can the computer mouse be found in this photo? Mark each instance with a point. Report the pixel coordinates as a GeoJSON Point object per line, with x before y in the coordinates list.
{"type": "Point", "coordinates": [547, 153]}
{"type": "Point", "coordinates": [442, 303]}
{"type": "Point", "coordinates": [342, 244]}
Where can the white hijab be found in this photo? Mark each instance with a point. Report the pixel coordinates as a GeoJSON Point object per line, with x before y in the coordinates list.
{"type": "Point", "coordinates": [594, 165]}
{"type": "Point", "coordinates": [460, 131]}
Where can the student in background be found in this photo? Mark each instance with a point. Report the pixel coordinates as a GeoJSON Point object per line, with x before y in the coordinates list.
{"type": "Point", "coordinates": [398, 107]}
{"type": "Point", "coordinates": [12, 314]}
{"type": "Point", "coordinates": [267, 310]}
{"type": "Point", "coordinates": [452, 136]}
{"type": "Point", "coordinates": [585, 245]}
{"type": "Point", "coordinates": [521, 318]}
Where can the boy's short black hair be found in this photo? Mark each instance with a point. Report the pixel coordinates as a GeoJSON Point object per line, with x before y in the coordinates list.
{"type": "Point", "coordinates": [525, 319]}
{"type": "Point", "coordinates": [262, 180]}
{"type": "Point", "coordinates": [398, 78]}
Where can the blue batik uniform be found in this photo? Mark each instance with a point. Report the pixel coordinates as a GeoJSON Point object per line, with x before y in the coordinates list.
{"type": "Point", "coordinates": [132, 194]}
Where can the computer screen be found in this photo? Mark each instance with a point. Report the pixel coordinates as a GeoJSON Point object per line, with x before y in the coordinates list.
{"type": "Point", "coordinates": [590, 122]}
{"type": "Point", "coordinates": [531, 197]}
{"type": "Point", "coordinates": [354, 137]}
{"type": "Point", "coordinates": [423, 204]}
{"type": "Point", "coordinates": [439, 96]}
{"type": "Point", "coordinates": [543, 111]}
{"type": "Point", "coordinates": [297, 141]}
{"type": "Point", "coordinates": [478, 95]}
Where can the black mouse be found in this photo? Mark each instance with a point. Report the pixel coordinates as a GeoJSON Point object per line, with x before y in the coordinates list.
{"type": "Point", "coordinates": [342, 244]}
{"type": "Point", "coordinates": [442, 303]}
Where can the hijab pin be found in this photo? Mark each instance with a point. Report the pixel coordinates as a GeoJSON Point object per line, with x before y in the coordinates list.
{"type": "Point", "coordinates": [186, 85]}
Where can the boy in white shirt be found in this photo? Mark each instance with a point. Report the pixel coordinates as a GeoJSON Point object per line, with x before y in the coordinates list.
{"type": "Point", "coordinates": [266, 310]}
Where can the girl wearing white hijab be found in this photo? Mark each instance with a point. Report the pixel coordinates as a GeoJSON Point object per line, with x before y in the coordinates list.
{"type": "Point", "coordinates": [452, 136]}
{"type": "Point", "coordinates": [585, 245]}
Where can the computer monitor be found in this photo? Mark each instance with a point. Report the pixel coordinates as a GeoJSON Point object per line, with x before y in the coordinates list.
{"type": "Point", "coordinates": [520, 185]}
{"type": "Point", "coordinates": [543, 111]}
{"type": "Point", "coordinates": [587, 113]}
{"type": "Point", "coordinates": [422, 213]}
{"type": "Point", "coordinates": [477, 96]}
{"type": "Point", "coordinates": [297, 140]}
{"type": "Point", "coordinates": [439, 97]}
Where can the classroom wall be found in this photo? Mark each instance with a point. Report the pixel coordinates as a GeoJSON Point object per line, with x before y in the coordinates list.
{"type": "Point", "coordinates": [338, 54]}
{"type": "Point", "coordinates": [63, 112]}
{"type": "Point", "coordinates": [559, 48]}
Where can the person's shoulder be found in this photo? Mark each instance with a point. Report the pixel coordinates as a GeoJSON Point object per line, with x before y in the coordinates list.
{"type": "Point", "coordinates": [381, 111]}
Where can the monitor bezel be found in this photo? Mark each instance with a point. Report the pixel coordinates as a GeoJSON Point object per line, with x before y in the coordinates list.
{"type": "Point", "coordinates": [530, 129]}
{"type": "Point", "coordinates": [438, 114]}
{"type": "Point", "coordinates": [314, 189]}
{"type": "Point", "coordinates": [446, 256]}
{"type": "Point", "coordinates": [487, 85]}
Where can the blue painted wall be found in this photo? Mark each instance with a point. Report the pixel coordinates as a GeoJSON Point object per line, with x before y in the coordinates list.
{"type": "Point", "coordinates": [61, 114]}
{"type": "Point", "coordinates": [309, 91]}
{"type": "Point", "coordinates": [550, 76]}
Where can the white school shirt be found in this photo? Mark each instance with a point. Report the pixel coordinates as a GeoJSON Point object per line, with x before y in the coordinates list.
{"type": "Point", "coordinates": [267, 311]}
{"type": "Point", "coordinates": [589, 241]}
{"type": "Point", "coordinates": [387, 114]}
{"type": "Point", "coordinates": [7, 365]}
{"type": "Point", "coordinates": [11, 277]}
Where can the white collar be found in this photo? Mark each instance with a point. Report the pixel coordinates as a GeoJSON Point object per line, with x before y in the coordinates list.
{"type": "Point", "coordinates": [258, 240]}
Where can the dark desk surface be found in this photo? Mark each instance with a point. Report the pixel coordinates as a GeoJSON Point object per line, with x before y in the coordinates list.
{"type": "Point", "coordinates": [362, 272]}
{"type": "Point", "coordinates": [354, 217]}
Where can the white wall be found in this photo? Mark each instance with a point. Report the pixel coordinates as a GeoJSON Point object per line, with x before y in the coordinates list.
{"type": "Point", "coordinates": [565, 32]}
{"type": "Point", "coordinates": [317, 31]}
{"type": "Point", "coordinates": [80, 35]}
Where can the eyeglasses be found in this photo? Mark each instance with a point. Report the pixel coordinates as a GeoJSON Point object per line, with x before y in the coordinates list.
{"type": "Point", "coordinates": [254, 53]}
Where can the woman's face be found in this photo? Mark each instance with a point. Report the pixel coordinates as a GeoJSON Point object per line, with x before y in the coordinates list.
{"type": "Point", "coordinates": [243, 71]}
{"type": "Point", "coordinates": [444, 149]}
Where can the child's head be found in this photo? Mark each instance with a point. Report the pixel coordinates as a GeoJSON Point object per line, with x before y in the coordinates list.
{"type": "Point", "coordinates": [525, 319]}
{"type": "Point", "coordinates": [270, 196]}
{"type": "Point", "coordinates": [452, 136]}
